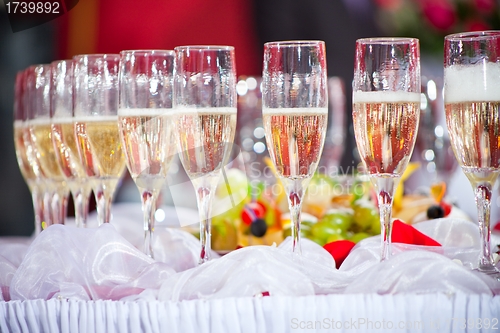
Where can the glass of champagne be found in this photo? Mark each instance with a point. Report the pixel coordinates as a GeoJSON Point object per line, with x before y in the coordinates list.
{"type": "Point", "coordinates": [24, 152]}
{"type": "Point", "coordinates": [145, 122]}
{"type": "Point", "coordinates": [95, 96]}
{"type": "Point", "coordinates": [38, 81]}
{"type": "Point", "coordinates": [295, 116]}
{"type": "Point", "coordinates": [63, 138]}
{"type": "Point", "coordinates": [204, 100]}
{"type": "Point", "coordinates": [472, 100]}
{"type": "Point", "coordinates": [386, 110]}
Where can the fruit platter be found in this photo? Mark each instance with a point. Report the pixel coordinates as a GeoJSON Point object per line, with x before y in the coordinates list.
{"type": "Point", "coordinates": [333, 209]}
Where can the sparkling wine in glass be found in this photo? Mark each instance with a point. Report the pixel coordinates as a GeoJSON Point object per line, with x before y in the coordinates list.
{"type": "Point", "coordinates": [295, 116]}
{"type": "Point", "coordinates": [96, 126]}
{"type": "Point", "coordinates": [205, 122]}
{"type": "Point", "coordinates": [472, 105]}
{"type": "Point", "coordinates": [145, 120]}
{"type": "Point", "coordinates": [386, 110]}
{"type": "Point", "coordinates": [63, 138]}
{"type": "Point", "coordinates": [38, 82]}
{"type": "Point", "coordinates": [28, 165]}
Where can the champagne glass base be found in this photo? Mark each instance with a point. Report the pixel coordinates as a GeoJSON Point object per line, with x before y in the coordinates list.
{"type": "Point", "coordinates": [491, 272]}
{"type": "Point", "coordinates": [203, 260]}
{"type": "Point", "coordinates": [488, 269]}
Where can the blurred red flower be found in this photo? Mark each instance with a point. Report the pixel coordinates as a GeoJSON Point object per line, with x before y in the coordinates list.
{"type": "Point", "coordinates": [441, 14]}
{"type": "Point", "coordinates": [485, 6]}
{"type": "Point", "coordinates": [476, 25]}
{"type": "Point", "coordinates": [431, 20]}
{"type": "Point", "coordinates": [389, 4]}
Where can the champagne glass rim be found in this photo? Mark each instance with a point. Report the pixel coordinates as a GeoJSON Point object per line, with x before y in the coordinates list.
{"type": "Point", "coordinates": [294, 43]}
{"type": "Point", "coordinates": [148, 51]}
{"type": "Point", "coordinates": [33, 67]}
{"type": "Point", "coordinates": [473, 35]}
{"type": "Point", "coordinates": [204, 47]}
{"type": "Point", "coordinates": [56, 63]}
{"type": "Point", "coordinates": [61, 61]}
{"type": "Point", "coordinates": [387, 40]}
{"type": "Point", "coordinates": [97, 56]}
{"type": "Point", "coordinates": [32, 71]}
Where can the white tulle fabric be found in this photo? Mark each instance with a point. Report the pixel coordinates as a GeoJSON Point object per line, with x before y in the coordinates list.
{"type": "Point", "coordinates": [82, 271]}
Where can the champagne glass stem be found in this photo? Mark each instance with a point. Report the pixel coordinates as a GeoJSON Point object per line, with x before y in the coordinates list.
{"type": "Point", "coordinates": [104, 198]}
{"type": "Point", "coordinates": [295, 206]}
{"type": "Point", "coordinates": [294, 188]}
{"type": "Point", "coordinates": [204, 197]}
{"type": "Point", "coordinates": [60, 204]}
{"type": "Point", "coordinates": [55, 203]}
{"type": "Point", "coordinates": [81, 198]}
{"type": "Point", "coordinates": [385, 191]}
{"type": "Point", "coordinates": [483, 202]}
{"type": "Point", "coordinates": [149, 208]}
{"type": "Point", "coordinates": [37, 197]}
{"type": "Point", "coordinates": [47, 218]}
{"type": "Point", "coordinates": [103, 208]}
{"type": "Point", "coordinates": [385, 208]}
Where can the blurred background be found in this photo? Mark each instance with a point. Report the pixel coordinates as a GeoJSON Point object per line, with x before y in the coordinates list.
{"type": "Point", "coordinates": [109, 26]}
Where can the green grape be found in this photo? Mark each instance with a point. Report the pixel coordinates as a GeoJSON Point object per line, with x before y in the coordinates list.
{"type": "Point", "coordinates": [348, 234]}
{"type": "Point", "coordinates": [303, 233]}
{"type": "Point", "coordinates": [307, 224]}
{"type": "Point", "coordinates": [375, 227]}
{"type": "Point", "coordinates": [364, 214]}
{"type": "Point", "coordinates": [335, 237]}
{"type": "Point", "coordinates": [340, 218]}
{"type": "Point", "coordinates": [305, 228]}
{"type": "Point", "coordinates": [359, 236]}
{"type": "Point", "coordinates": [323, 230]}
{"type": "Point", "coordinates": [317, 240]}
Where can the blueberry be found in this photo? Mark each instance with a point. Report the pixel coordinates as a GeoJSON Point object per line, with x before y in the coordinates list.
{"type": "Point", "coordinates": [435, 212]}
{"type": "Point", "coordinates": [258, 227]}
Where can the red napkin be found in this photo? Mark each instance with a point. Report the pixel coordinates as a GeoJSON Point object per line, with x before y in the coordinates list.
{"type": "Point", "coordinates": [407, 234]}
{"type": "Point", "coordinates": [401, 233]}
{"type": "Point", "coordinates": [339, 250]}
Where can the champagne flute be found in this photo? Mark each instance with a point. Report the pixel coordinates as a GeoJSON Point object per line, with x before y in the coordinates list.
{"type": "Point", "coordinates": [295, 116]}
{"type": "Point", "coordinates": [63, 138]}
{"type": "Point", "coordinates": [30, 170]}
{"type": "Point", "coordinates": [38, 81]}
{"type": "Point", "coordinates": [472, 99]}
{"type": "Point", "coordinates": [145, 122]}
{"type": "Point", "coordinates": [205, 122]}
{"type": "Point", "coordinates": [386, 110]}
{"type": "Point", "coordinates": [95, 96]}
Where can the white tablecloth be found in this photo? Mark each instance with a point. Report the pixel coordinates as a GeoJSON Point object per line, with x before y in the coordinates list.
{"type": "Point", "coordinates": [96, 280]}
{"type": "Point", "coordinates": [320, 313]}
